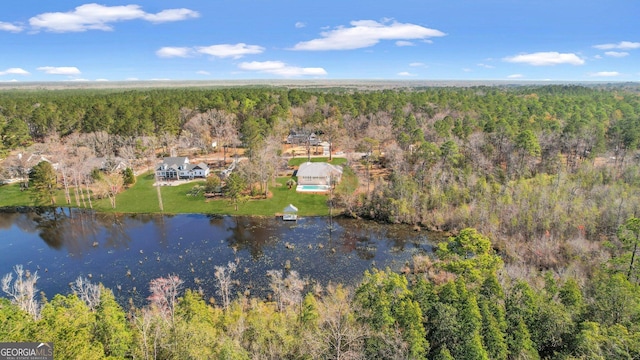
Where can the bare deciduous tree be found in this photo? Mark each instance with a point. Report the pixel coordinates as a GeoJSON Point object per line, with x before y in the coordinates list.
{"type": "Point", "coordinates": [164, 295]}
{"type": "Point", "coordinates": [109, 186]}
{"type": "Point", "coordinates": [223, 128]}
{"type": "Point", "coordinates": [128, 155]}
{"type": "Point", "coordinates": [22, 291]}
{"type": "Point", "coordinates": [263, 165]}
{"type": "Point", "coordinates": [87, 292]}
{"type": "Point", "coordinates": [102, 143]}
{"type": "Point", "coordinates": [287, 291]}
{"type": "Point", "coordinates": [150, 333]}
{"type": "Point", "coordinates": [338, 335]}
{"type": "Point", "coordinates": [223, 275]}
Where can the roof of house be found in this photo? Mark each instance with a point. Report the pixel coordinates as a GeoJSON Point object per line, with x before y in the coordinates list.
{"type": "Point", "coordinates": [318, 169]}
{"type": "Point", "coordinates": [290, 209]}
{"type": "Point", "coordinates": [181, 160]}
{"type": "Point", "coordinates": [201, 165]}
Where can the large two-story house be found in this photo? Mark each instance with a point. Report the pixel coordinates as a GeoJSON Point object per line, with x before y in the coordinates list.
{"type": "Point", "coordinates": [173, 168]}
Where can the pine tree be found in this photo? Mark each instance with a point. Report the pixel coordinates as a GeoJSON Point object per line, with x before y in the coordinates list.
{"type": "Point", "coordinates": [112, 329]}
{"type": "Point", "coordinates": [309, 314]}
{"type": "Point", "coordinates": [471, 325]}
{"type": "Point", "coordinates": [493, 336]}
{"type": "Point", "coordinates": [42, 182]}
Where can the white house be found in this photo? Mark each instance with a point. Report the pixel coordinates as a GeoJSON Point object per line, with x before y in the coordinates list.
{"type": "Point", "coordinates": [173, 168]}
{"type": "Point", "coordinates": [318, 173]}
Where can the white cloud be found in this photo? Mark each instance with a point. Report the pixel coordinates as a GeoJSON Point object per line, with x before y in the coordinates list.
{"type": "Point", "coordinates": [132, 79]}
{"type": "Point", "coordinates": [171, 15]}
{"type": "Point", "coordinates": [404, 43]}
{"type": "Point", "coordinates": [202, 72]}
{"type": "Point", "coordinates": [281, 69]}
{"type": "Point", "coordinates": [467, 70]}
{"type": "Point", "coordinates": [617, 54]}
{"type": "Point", "coordinates": [622, 45]}
{"type": "Point", "coordinates": [515, 76]}
{"type": "Point", "coordinates": [99, 17]}
{"type": "Point", "coordinates": [366, 33]}
{"type": "Point", "coordinates": [102, 80]}
{"type": "Point", "coordinates": [300, 25]}
{"type": "Point", "coordinates": [405, 73]}
{"type": "Point", "coordinates": [233, 51]}
{"type": "Point", "coordinates": [546, 59]}
{"type": "Point", "coordinates": [605, 74]}
{"type": "Point", "coordinates": [63, 70]}
{"type": "Point", "coordinates": [8, 81]}
{"type": "Point", "coordinates": [10, 27]}
{"type": "Point", "coordinates": [14, 71]}
{"type": "Point", "coordinates": [486, 66]}
{"type": "Point", "coordinates": [169, 52]}
{"type": "Point", "coordinates": [417, 64]}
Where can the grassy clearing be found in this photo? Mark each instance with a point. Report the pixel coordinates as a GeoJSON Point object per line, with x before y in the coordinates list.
{"type": "Point", "coordinates": [142, 198]}
{"type": "Point", "coordinates": [10, 195]}
{"type": "Point", "coordinates": [335, 161]}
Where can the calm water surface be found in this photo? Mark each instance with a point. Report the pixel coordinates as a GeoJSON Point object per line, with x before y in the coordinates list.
{"type": "Point", "coordinates": [127, 251]}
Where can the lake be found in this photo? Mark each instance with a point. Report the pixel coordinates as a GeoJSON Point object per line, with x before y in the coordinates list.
{"type": "Point", "coordinates": [124, 252]}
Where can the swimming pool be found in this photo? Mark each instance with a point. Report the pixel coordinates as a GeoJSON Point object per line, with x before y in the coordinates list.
{"type": "Point", "coordinates": [312, 188]}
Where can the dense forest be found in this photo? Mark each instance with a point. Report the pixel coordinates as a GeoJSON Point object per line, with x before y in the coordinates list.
{"type": "Point", "coordinates": [550, 174]}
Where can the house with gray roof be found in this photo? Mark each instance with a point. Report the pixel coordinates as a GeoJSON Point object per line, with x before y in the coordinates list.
{"type": "Point", "coordinates": [173, 168]}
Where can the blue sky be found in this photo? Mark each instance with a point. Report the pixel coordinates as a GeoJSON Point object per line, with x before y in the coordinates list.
{"type": "Point", "coordinates": [562, 40]}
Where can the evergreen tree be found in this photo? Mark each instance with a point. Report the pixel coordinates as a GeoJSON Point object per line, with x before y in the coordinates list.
{"type": "Point", "coordinates": [469, 254]}
{"type": "Point", "coordinates": [111, 328]}
{"type": "Point", "coordinates": [470, 325]}
{"type": "Point", "coordinates": [444, 354]}
{"type": "Point", "coordinates": [629, 235]}
{"type": "Point", "coordinates": [67, 322]}
{"type": "Point", "coordinates": [128, 177]}
{"type": "Point", "coordinates": [309, 313]}
{"type": "Point", "coordinates": [493, 336]}
{"type": "Point", "coordinates": [42, 182]}
{"type": "Point", "coordinates": [234, 188]}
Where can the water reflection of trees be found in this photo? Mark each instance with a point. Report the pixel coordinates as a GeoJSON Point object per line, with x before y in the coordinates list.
{"type": "Point", "coordinates": [116, 230]}
{"type": "Point", "coordinates": [364, 237]}
{"type": "Point", "coordinates": [75, 230]}
{"type": "Point", "coordinates": [8, 219]}
{"type": "Point", "coordinates": [251, 234]}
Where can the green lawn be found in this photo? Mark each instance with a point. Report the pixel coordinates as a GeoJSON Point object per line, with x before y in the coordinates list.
{"type": "Point", "coordinates": [10, 195]}
{"type": "Point", "coordinates": [142, 198]}
{"type": "Point", "coordinates": [299, 160]}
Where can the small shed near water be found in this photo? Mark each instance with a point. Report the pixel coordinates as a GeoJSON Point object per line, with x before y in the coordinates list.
{"type": "Point", "coordinates": [290, 213]}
